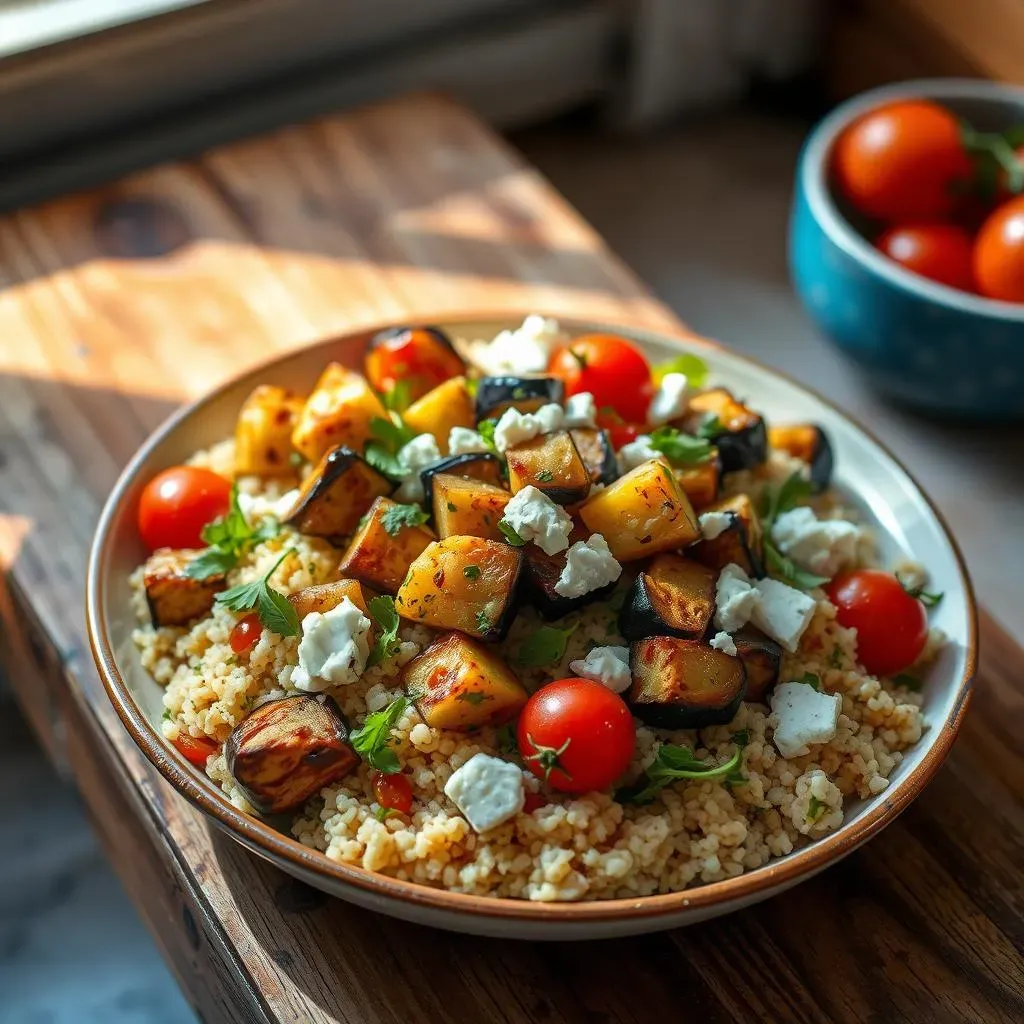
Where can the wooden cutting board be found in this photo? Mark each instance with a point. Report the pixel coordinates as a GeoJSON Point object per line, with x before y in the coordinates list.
{"type": "Point", "coordinates": [117, 304]}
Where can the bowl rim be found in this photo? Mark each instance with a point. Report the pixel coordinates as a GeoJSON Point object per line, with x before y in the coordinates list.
{"type": "Point", "coordinates": [813, 177]}
{"type": "Point", "coordinates": [261, 838]}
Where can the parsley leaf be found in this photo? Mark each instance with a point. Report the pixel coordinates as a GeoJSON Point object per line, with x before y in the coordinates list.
{"type": "Point", "coordinates": [509, 533]}
{"type": "Point", "coordinates": [787, 570]}
{"type": "Point", "coordinates": [228, 538]}
{"type": "Point", "coordinates": [399, 516]}
{"type": "Point", "coordinates": [383, 461]}
{"type": "Point", "coordinates": [371, 739]}
{"type": "Point", "coordinates": [908, 681]}
{"type": "Point", "coordinates": [471, 572]}
{"type": "Point", "coordinates": [811, 680]}
{"type": "Point", "coordinates": [545, 476]}
{"type": "Point", "coordinates": [786, 496]}
{"type": "Point", "coordinates": [814, 808]}
{"type": "Point", "coordinates": [485, 428]}
{"type": "Point", "coordinates": [483, 622]}
{"type": "Point", "coordinates": [275, 611]}
{"type": "Point", "coordinates": [696, 370]}
{"type": "Point", "coordinates": [835, 659]}
{"type": "Point", "coordinates": [545, 646]}
{"type": "Point", "coordinates": [397, 398]}
{"type": "Point", "coordinates": [382, 611]}
{"type": "Point", "coordinates": [383, 813]}
{"type": "Point", "coordinates": [671, 763]}
{"type": "Point", "coordinates": [506, 740]}
{"type": "Point", "coordinates": [710, 427]}
{"type": "Point", "coordinates": [741, 738]}
{"type": "Point", "coordinates": [474, 696]}
{"type": "Point", "coordinates": [680, 449]}
{"type": "Point", "coordinates": [392, 432]}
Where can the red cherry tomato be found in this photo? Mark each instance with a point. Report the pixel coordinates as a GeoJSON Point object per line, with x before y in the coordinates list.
{"type": "Point", "coordinates": [577, 735]}
{"type": "Point", "coordinates": [245, 633]}
{"type": "Point", "coordinates": [891, 625]}
{"type": "Point", "coordinates": [195, 749]}
{"type": "Point", "coordinates": [999, 253]}
{"type": "Point", "coordinates": [904, 162]}
{"type": "Point", "coordinates": [940, 252]}
{"type": "Point", "coordinates": [421, 356]}
{"type": "Point", "coordinates": [392, 791]}
{"type": "Point", "coordinates": [177, 503]}
{"type": "Point", "coordinates": [611, 368]}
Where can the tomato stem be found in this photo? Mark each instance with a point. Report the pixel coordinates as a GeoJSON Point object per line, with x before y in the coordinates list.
{"type": "Point", "coordinates": [548, 757]}
{"type": "Point", "coordinates": [581, 360]}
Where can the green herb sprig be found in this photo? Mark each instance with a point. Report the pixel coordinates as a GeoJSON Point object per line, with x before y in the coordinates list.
{"type": "Point", "coordinates": [794, 489]}
{"type": "Point", "coordinates": [371, 739]}
{"type": "Point", "coordinates": [509, 533]}
{"type": "Point", "coordinates": [672, 763]}
{"type": "Point", "coordinates": [229, 537]}
{"type": "Point", "coordinates": [387, 620]}
{"type": "Point", "coordinates": [696, 370]}
{"type": "Point", "coordinates": [545, 646]}
{"type": "Point", "coordinates": [680, 449]}
{"type": "Point", "coordinates": [390, 435]}
{"type": "Point", "coordinates": [274, 610]}
{"type": "Point", "coordinates": [397, 517]}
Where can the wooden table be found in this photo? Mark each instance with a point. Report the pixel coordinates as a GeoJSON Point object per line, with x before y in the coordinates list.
{"type": "Point", "coordinates": [118, 304]}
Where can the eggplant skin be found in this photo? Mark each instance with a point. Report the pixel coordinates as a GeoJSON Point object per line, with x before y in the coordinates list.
{"type": "Point", "coordinates": [542, 571]}
{"type": "Point", "coordinates": [743, 441]}
{"type": "Point", "coordinates": [527, 394]}
{"type": "Point", "coordinates": [598, 454]}
{"type": "Point", "coordinates": [474, 465]}
{"type": "Point", "coordinates": [741, 543]}
{"type": "Point", "coordinates": [174, 597]}
{"type": "Point", "coordinates": [288, 749]}
{"type": "Point", "coordinates": [673, 597]}
{"type": "Point", "coordinates": [762, 659]}
{"type": "Point", "coordinates": [809, 442]}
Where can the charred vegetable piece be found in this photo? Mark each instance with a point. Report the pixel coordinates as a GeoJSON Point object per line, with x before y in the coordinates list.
{"type": "Point", "coordinates": [287, 750]}
{"type": "Point", "coordinates": [527, 394]}
{"type": "Point", "coordinates": [471, 465]}
{"type": "Point", "coordinates": [742, 439]}
{"type": "Point", "coordinates": [762, 658]}
{"type": "Point", "coordinates": [417, 358]}
{"type": "Point", "coordinates": [383, 548]}
{"type": "Point", "coordinates": [672, 597]}
{"type": "Point", "coordinates": [742, 542]}
{"type": "Point", "coordinates": [683, 684]}
{"type": "Point", "coordinates": [263, 433]}
{"type": "Point", "coordinates": [469, 508]}
{"type": "Point", "coordinates": [552, 464]}
{"type": "Point", "coordinates": [598, 454]}
{"type": "Point", "coordinates": [542, 571]}
{"type": "Point", "coordinates": [457, 683]}
{"type": "Point", "coordinates": [338, 412]}
{"type": "Point", "coordinates": [463, 583]}
{"type": "Point", "coordinates": [448, 405]}
{"type": "Point", "coordinates": [174, 597]}
{"type": "Point", "coordinates": [322, 597]}
{"type": "Point", "coordinates": [701, 481]}
{"type": "Point", "coordinates": [806, 441]}
{"type": "Point", "coordinates": [337, 494]}
{"type": "Point", "coordinates": [642, 513]}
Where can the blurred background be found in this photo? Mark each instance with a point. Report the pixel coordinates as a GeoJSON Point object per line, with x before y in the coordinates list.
{"type": "Point", "coordinates": [674, 126]}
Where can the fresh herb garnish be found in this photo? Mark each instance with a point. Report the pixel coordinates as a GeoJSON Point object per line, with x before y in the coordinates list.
{"type": "Point", "coordinates": [696, 370]}
{"type": "Point", "coordinates": [371, 739]}
{"type": "Point", "coordinates": [452, 506]}
{"type": "Point", "coordinates": [471, 572]}
{"type": "Point", "coordinates": [671, 763]}
{"type": "Point", "coordinates": [485, 428]}
{"type": "Point", "coordinates": [710, 427]}
{"type": "Point", "coordinates": [907, 681]}
{"type": "Point", "coordinates": [391, 432]}
{"type": "Point", "coordinates": [518, 393]}
{"type": "Point", "coordinates": [776, 500]}
{"type": "Point", "coordinates": [274, 610]}
{"type": "Point", "coordinates": [382, 611]}
{"type": "Point", "coordinates": [385, 462]}
{"type": "Point", "coordinates": [811, 680]}
{"type": "Point", "coordinates": [929, 600]}
{"type": "Point", "coordinates": [506, 740]}
{"type": "Point", "coordinates": [483, 622]}
{"type": "Point", "coordinates": [228, 538]}
{"type": "Point", "coordinates": [383, 813]}
{"type": "Point", "coordinates": [680, 449]}
{"type": "Point", "coordinates": [741, 738]}
{"type": "Point", "coordinates": [398, 397]}
{"type": "Point", "coordinates": [814, 808]}
{"type": "Point", "coordinates": [399, 516]}
{"type": "Point", "coordinates": [545, 646]}
{"type": "Point", "coordinates": [166, 716]}
{"type": "Point", "coordinates": [835, 659]}
{"type": "Point", "coordinates": [509, 533]}
{"type": "Point", "coordinates": [474, 696]}
{"type": "Point", "coordinates": [788, 571]}
{"type": "Point", "coordinates": [545, 476]}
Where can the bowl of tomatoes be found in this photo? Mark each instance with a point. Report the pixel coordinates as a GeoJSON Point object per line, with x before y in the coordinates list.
{"type": "Point", "coordinates": [907, 242]}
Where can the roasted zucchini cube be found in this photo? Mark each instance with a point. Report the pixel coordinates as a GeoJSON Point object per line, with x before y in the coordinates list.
{"type": "Point", "coordinates": [287, 750]}
{"type": "Point", "coordinates": [263, 432]}
{"type": "Point", "coordinates": [379, 555]}
{"type": "Point", "coordinates": [463, 583]}
{"type": "Point", "coordinates": [683, 684]}
{"type": "Point", "coordinates": [642, 513]}
{"type": "Point", "coordinates": [598, 454]}
{"type": "Point", "coordinates": [762, 658]}
{"type": "Point", "coordinates": [701, 482]}
{"type": "Point", "coordinates": [552, 464]}
{"type": "Point", "coordinates": [448, 405]}
{"type": "Point", "coordinates": [337, 494]}
{"type": "Point", "coordinates": [459, 684]}
{"type": "Point", "coordinates": [741, 543]}
{"type": "Point", "coordinates": [806, 441]}
{"type": "Point", "coordinates": [527, 394]}
{"type": "Point", "coordinates": [468, 508]}
{"type": "Point", "coordinates": [338, 412]}
{"type": "Point", "coordinates": [743, 440]}
{"type": "Point", "coordinates": [542, 571]}
{"type": "Point", "coordinates": [471, 465]}
{"type": "Point", "coordinates": [419, 357]}
{"type": "Point", "coordinates": [174, 597]}
{"type": "Point", "coordinates": [672, 597]}
{"type": "Point", "coordinates": [322, 597]}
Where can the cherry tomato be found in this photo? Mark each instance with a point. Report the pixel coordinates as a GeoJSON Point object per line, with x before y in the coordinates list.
{"type": "Point", "coordinates": [611, 368]}
{"type": "Point", "coordinates": [904, 162]}
{"type": "Point", "coordinates": [393, 791]}
{"type": "Point", "coordinates": [177, 503]}
{"type": "Point", "coordinates": [891, 625]}
{"type": "Point", "coordinates": [619, 431]}
{"type": "Point", "coordinates": [245, 633]}
{"type": "Point", "coordinates": [577, 735]}
{"type": "Point", "coordinates": [422, 357]}
{"type": "Point", "coordinates": [195, 749]}
{"type": "Point", "coordinates": [999, 253]}
{"type": "Point", "coordinates": [941, 252]}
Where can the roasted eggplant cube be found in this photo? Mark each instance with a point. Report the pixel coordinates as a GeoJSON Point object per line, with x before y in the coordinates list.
{"type": "Point", "coordinates": [448, 405]}
{"type": "Point", "coordinates": [701, 482]}
{"type": "Point", "coordinates": [337, 494]}
{"type": "Point", "coordinates": [287, 750]}
{"type": "Point", "coordinates": [672, 597]}
{"type": "Point", "coordinates": [741, 543]}
{"type": "Point", "coordinates": [542, 571]}
{"type": "Point", "coordinates": [463, 583]}
{"type": "Point", "coordinates": [598, 454]}
{"type": "Point", "coordinates": [762, 658]}
{"type": "Point", "coordinates": [552, 464]}
{"type": "Point", "coordinates": [468, 508]}
{"type": "Point", "coordinates": [380, 557]}
{"type": "Point", "coordinates": [642, 513]}
{"type": "Point", "coordinates": [174, 597]}
{"type": "Point", "coordinates": [457, 683]}
{"type": "Point", "coordinates": [263, 432]}
{"type": "Point", "coordinates": [527, 394]}
{"type": "Point", "coordinates": [808, 442]}
{"type": "Point", "coordinates": [419, 357]}
{"type": "Point", "coordinates": [743, 440]}
{"type": "Point", "coordinates": [683, 684]}
{"type": "Point", "coordinates": [472, 465]}
{"type": "Point", "coordinates": [322, 597]}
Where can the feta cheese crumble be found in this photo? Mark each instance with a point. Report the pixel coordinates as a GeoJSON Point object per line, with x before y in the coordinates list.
{"type": "Point", "coordinates": [333, 649]}
{"type": "Point", "coordinates": [636, 453]}
{"type": "Point", "coordinates": [821, 546]}
{"type": "Point", "coordinates": [734, 599]}
{"type": "Point", "coordinates": [534, 516]}
{"type": "Point", "coordinates": [256, 506]}
{"type": "Point", "coordinates": [802, 715]}
{"type": "Point", "coordinates": [608, 666]}
{"type": "Point", "coordinates": [589, 565]}
{"type": "Point", "coordinates": [670, 401]}
{"type": "Point", "coordinates": [527, 349]}
{"type": "Point", "coordinates": [515, 427]}
{"type": "Point", "coordinates": [463, 441]}
{"type": "Point", "coordinates": [487, 790]}
{"type": "Point", "coordinates": [776, 609]}
{"type": "Point", "coordinates": [714, 524]}
{"type": "Point", "coordinates": [580, 410]}
{"type": "Point", "coordinates": [724, 643]}
{"type": "Point", "coordinates": [420, 452]}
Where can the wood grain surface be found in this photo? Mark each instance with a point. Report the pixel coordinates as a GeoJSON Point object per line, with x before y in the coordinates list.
{"type": "Point", "coordinates": [117, 304]}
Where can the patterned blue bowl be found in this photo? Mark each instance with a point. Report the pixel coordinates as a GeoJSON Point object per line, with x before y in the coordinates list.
{"type": "Point", "coordinates": [930, 346]}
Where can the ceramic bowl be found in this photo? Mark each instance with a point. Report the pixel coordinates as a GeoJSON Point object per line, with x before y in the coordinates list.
{"type": "Point", "coordinates": [928, 345]}
{"type": "Point", "coordinates": [905, 520]}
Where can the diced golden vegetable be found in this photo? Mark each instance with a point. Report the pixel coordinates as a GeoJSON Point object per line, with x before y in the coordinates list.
{"type": "Point", "coordinates": [448, 405]}
{"type": "Point", "coordinates": [287, 750]}
{"type": "Point", "coordinates": [468, 508]}
{"type": "Point", "coordinates": [382, 550]}
{"type": "Point", "coordinates": [806, 441]}
{"type": "Point", "coordinates": [338, 412]}
{"type": "Point", "coordinates": [463, 583]}
{"type": "Point", "coordinates": [742, 439]}
{"type": "Point", "coordinates": [471, 465]}
{"type": "Point", "coordinates": [642, 513]}
{"type": "Point", "coordinates": [673, 597]}
{"type": "Point", "coordinates": [742, 542]}
{"type": "Point", "coordinates": [552, 464]}
{"type": "Point", "coordinates": [457, 683]}
{"type": "Point", "coordinates": [322, 597]}
{"type": "Point", "coordinates": [174, 597]}
{"type": "Point", "coordinates": [701, 481]}
{"type": "Point", "coordinates": [263, 433]}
